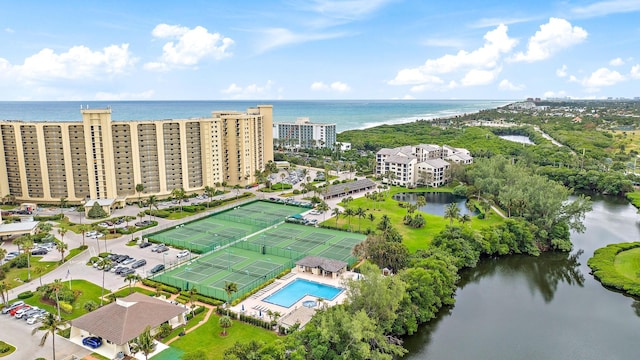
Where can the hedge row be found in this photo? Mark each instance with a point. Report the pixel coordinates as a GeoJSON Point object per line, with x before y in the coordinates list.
{"type": "Point", "coordinates": [603, 267]}
{"type": "Point", "coordinates": [161, 286]}
{"type": "Point", "coordinates": [48, 218]}
{"type": "Point", "coordinates": [246, 318]}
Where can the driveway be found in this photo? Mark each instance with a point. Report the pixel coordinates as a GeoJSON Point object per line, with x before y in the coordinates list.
{"type": "Point", "coordinates": [17, 333]}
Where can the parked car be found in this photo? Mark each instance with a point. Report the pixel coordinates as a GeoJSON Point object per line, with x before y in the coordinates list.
{"type": "Point", "coordinates": [35, 319]}
{"type": "Point", "coordinates": [29, 313]}
{"type": "Point", "coordinates": [157, 268]}
{"type": "Point", "coordinates": [103, 224]}
{"type": "Point", "coordinates": [183, 253]}
{"type": "Point", "coordinates": [139, 263]}
{"type": "Point", "coordinates": [92, 342]}
{"type": "Point", "coordinates": [127, 271]}
{"type": "Point", "coordinates": [144, 244]}
{"type": "Point", "coordinates": [120, 269]}
{"type": "Point", "coordinates": [12, 306]}
{"type": "Point", "coordinates": [18, 311]}
{"type": "Point", "coordinates": [128, 261]}
{"type": "Point", "coordinates": [91, 233]}
{"type": "Point", "coordinates": [162, 249]}
{"type": "Point", "coordinates": [39, 251]}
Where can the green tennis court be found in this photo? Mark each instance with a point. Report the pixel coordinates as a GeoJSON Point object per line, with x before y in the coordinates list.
{"type": "Point", "coordinates": [255, 254]}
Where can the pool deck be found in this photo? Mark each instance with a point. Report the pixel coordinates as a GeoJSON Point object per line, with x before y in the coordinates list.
{"type": "Point", "coordinates": [256, 307]}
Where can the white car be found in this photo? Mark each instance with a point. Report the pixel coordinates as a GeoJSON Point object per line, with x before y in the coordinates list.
{"type": "Point", "coordinates": [182, 254]}
{"type": "Point", "coordinates": [34, 319]}
{"type": "Point", "coordinates": [91, 233]}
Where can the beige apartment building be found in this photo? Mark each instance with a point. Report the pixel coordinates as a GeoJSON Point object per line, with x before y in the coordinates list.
{"type": "Point", "coordinates": [98, 158]}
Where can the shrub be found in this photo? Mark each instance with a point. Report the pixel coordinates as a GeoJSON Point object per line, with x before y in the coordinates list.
{"type": "Point", "coordinates": [198, 310]}
{"type": "Point", "coordinates": [4, 347]}
{"type": "Point", "coordinates": [96, 212]}
{"type": "Point", "coordinates": [49, 218]}
{"type": "Point", "coordinates": [25, 295]}
{"type": "Point", "coordinates": [65, 307]}
{"type": "Point", "coordinates": [20, 261]}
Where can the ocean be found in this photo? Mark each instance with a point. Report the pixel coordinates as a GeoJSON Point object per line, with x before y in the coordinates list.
{"type": "Point", "coordinates": [346, 114]}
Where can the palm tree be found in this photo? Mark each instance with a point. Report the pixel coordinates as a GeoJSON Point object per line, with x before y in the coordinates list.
{"type": "Point", "coordinates": [56, 286]}
{"type": "Point", "coordinates": [144, 343]}
{"type": "Point", "coordinates": [465, 219]}
{"type": "Point", "coordinates": [192, 296]}
{"type": "Point", "coordinates": [371, 218]}
{"type": "Point", "coordinates": [3, 253]}
{"type": "Point", "coordinates": [451, 212]}
{"type": "Point", "coordinates": [230, 288]}
{"type": "Point", "coordinates": [361, 214]}
{"type": "Point", "coordinates": [102, 263]}
{"type": "Point", "coordinates": [336, 212]}
{"type": "Point", "coordinates": [45, 227]}
{"type": "Point", "coordinates": [139, 190]}
{"type": "Point", "coordinates": [236, 187]}
{"type": "Point", "coordinates": [225, 322]}
{"type": "Point", "coordinates": [83, 229]}
{"type": "Point", "coordinates": [421, 201]}
{"type": "Point", "coordinates": [179, 194]}
{"type": "Point", "coordinates": [63, 203]}
{"type": "Point", "coordinates": [153, 202]}
{"type": "Point", "coordinates": [348, 213]}
{"type": "Point", "coordinates": [4, 287]}
{"type": "Point", "coordinates": [90, 305]}
{"type": "Point", "coordinates": [132, 279]}
{"type": "Point", "coordinates": [324, 207]}
{"type": "Point", "coordinates": [209, 191]}
{"type": "Point", "coordinates": [50, 325]}
{"type": "Point", "coordinates": [39, 271]}
{"type": "Point", "coordinates": [61, 246]}
{"type": "Point", "coordinates": [27, 246]}
{"type": "Point", "coordinates": [282, 176]}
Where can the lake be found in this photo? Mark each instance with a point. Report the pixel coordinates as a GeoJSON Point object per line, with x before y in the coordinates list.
{"type": "Point", "coordinates": [436, 202]}
{"type": "Point", "coordinates": [518, 138]}
{"type": "Point", "coordinates": [546, 307]}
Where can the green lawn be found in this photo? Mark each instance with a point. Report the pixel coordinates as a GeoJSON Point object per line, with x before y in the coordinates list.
{"type": "Point", "coordinates": [16, 277]}
{"type": "Point", "coordinates": [88, 291]}
{"type": "Point", "coordinates": [207, 337]}
{"type": "Point", "coordinates": [627, 263]}
{"type": "Point", "coordinates": [634, 198]}
{"type": "Point", "coordinates": [414, 239]}
{"type": "Point", "coordinates": [126, 291]}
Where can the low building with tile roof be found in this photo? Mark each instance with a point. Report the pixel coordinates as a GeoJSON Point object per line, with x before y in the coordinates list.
{"type": "Point", "coordinates": [321, 266]}
{"type": "Point", "coordinates": [125, 319]}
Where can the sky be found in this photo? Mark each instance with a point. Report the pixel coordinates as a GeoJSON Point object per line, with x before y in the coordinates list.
{"type": "Point", "coordinates": [318, 49]}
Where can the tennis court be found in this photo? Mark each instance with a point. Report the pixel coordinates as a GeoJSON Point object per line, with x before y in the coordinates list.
{"type": "Point", "coordinates": [249, 260]}
{"type": "Point", "coordinates": [207, 234]}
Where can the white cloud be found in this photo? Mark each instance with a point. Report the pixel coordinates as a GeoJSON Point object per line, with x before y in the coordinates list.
{"type": "Point", "coordinates": [479, 77]}
{"type": "Point", "coordinates": [249, 91]}
{"type": "Point", "coordinates": [508, 86]}
{"type": "Point", "coordinates": [337, 86]}
{"type": "Point", "coordinates": [191, 46]}
{"type": "Point", "coordinates": [602, 77]}
{"type": "Point", "coordinates": [9, 30]}
{"type": "Point", "coordinates": [79, 62]}
{"type": "Point", "coordinates": [347, 9]}
{"type": "Point", "coordinates": [562, 72]}
{"type": "Point", "coordinates": [635, 72]}
{"type": "Point", "coordinates": [478, 65]}
{"type": "Point", "coordinates": [604, 8]}
{"type": "Point", "coordinates": [125, 95]}
{"type": "Point", "coordinates": [616, 62]}
{"type": "Point", "coordinates": [278, 37]}
{"type": "Point", "coordinates": [492, 22]}
{"type": "Point", "coordinates": [442, 42]}
{"type": "Point", "coordinates": [552, 37]}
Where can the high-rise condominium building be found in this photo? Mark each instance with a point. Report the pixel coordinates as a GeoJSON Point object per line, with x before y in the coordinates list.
{"type": "Point", "coordinates": [98, 158]}
{"type": "Point", "coordinates": [304, 134]}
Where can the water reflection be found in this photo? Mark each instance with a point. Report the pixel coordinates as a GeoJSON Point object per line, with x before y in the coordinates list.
{"type": "Point", "coordinates": [436, 202]}
{"type": "Point", "coordinates": [542, 274]}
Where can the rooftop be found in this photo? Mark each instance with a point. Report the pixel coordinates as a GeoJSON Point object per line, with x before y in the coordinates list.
{"type": "Point", "coordinates": [323, 263]}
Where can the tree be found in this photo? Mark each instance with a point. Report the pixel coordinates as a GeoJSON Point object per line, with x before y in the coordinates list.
{"type": "Point", "coordinates": [144, 342]}
{"type": "Point", "coordinates": [361, 214]}
{"type": "Point", "coordinates": [236, 187]}
{"type": "Point", "coordinates": [324, 207]}
{"type": "Point", "coordinates": [465, 219]}
{"type": "Point", "coordinates": [282, 176]}
{"type": "Point", "coordinates": [152, 201]}
{"type": "Point", "coordinates": [102, 263]}
{"type": "Point", "coordinates": [56, 286]}
{"type": "Point", "coordinates": [230, 288]}
{"type": "Point", "coordinates": [61, 246]}
{"type": "Point", "coordinates": [371, 218]}
{"type": "Point", "coordinates": [421, 201]}
{"type": "Point", "coordinates": [452, 212]}
{"type": "Point", "coordinates": [4, 287]}
{"type": "Point", "coordinates": [224, 322]}
{"type": "Point", "coordinates": [192, 296]}
{"type": "Point", "coordinates": [210, 192]}
{"type": "Point", "coordinates": [139, 190]}
{"type": "Point", "coordinates": [132, 279]}
{"type": "Point", "coordinates": [63, 203]}
{"type": "Point", "coordinates": [50, 325]}
{"type": "Point", "coordinates": [336, 212]}
{"type": "Point", "coordinates": [348, 213]}
{"type": "Point", "coordinates": [96, 212]}
{"type": "Point", "coordinates": [27, 246]}
{"type": "Point", "coordinates": [178, 194]}
{"type": "Point", "coordinates": [39, 270]}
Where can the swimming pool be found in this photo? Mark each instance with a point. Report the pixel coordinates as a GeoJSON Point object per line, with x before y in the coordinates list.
{"type": "Point", "coordinates": [299, 288]}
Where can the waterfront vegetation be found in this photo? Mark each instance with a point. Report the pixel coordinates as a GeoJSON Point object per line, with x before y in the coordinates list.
{"type": "Point", "coordinates": [618, 266]}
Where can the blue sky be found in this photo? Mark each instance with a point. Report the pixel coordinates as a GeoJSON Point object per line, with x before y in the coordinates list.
{"type": "Point", "coordinates": [322, 49]}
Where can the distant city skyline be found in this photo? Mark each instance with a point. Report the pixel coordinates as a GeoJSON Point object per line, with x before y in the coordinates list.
{"type": "Point", "coordinates": [319, 49]}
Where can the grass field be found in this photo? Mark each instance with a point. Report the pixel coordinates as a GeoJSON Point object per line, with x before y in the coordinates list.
{"type": "Point", "coordinates": [88, 291]}
{"type": "Point", "coordinates": [414, 239]}
{"type": "Point", "coordinates": [627, 263]}
{"type": "Point", "coordinates": [630, 139]}
{"type": "Point", "coordinates": [207, 337]}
